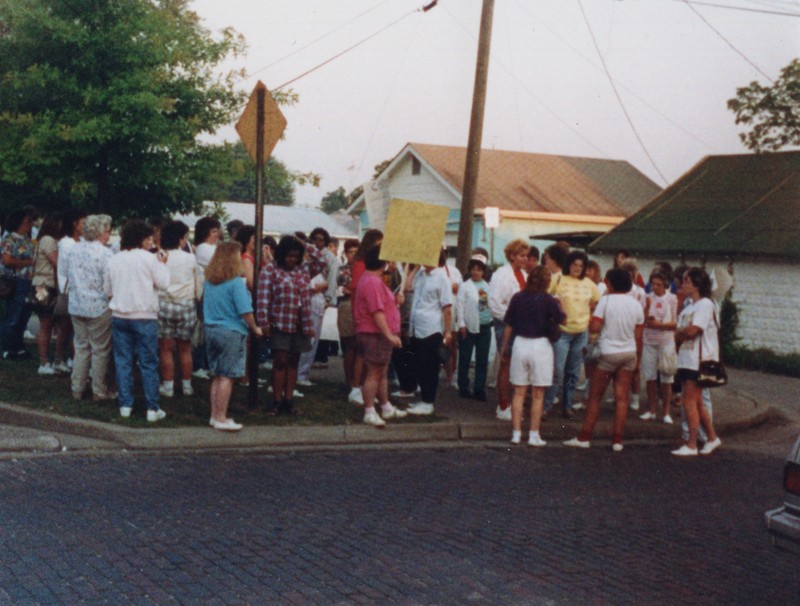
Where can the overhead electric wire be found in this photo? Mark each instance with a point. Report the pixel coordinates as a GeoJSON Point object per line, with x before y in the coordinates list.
{"type": "Point", "coordinates": [740, 8]}
{"type": "Point", "coordinates": [728, 42]}
{"type": "Point", "coordinates": [538, 99]}
{"type": "Point", "coordinates": [422, 9]}
{"type": "Point", "coordinates": [619, 98]}
{"type": "Point", "coordinates": [322, 37]}
{"type": "Point", "coordinates": [629, 90]}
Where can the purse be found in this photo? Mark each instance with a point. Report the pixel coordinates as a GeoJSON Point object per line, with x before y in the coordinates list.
{"type": "Point", "coordinates": [41, 299]}
{"type": "Point", "coordinates": [667, 360]}
{"type": "Point", "coordinates": [711, 372]}
{"type": "Point", "coordinates": [61, 307]}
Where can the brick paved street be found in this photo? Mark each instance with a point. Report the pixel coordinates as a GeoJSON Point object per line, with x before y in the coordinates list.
{"type": "Point", "coordinates": [420, 526]}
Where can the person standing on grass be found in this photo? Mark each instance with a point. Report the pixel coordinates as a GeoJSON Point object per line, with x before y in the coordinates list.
{"type": "Point", "coordinates": [620, 321]}
{"type": "Point", "coordinates": [377, 323]}
{"type": "Point", "coordinates": [527, 319]}
{"type": "Point", "coordinates": [17, 253]}
{"type": "Point", "coordinates": [177, 309]}
{"type": "Point", "coordinates": [44, 275]}
{"type": "Point", "coordinates": [506, 282]}
{"type": "Point", "coordinates": [85, 269]}
{"type": "Point", "coordinates": [132, 280]}
{"type": "Point", "coordinates": [284, 313]}
{"type": "Point", "coordinates": [206, 236]}
{"type": "Point", "coordinates": [344, 317]}
{"type": "Point", "coordinates": [228, 316]}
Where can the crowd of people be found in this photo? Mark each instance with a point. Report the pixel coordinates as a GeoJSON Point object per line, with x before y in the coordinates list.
{"type": "Point", "coordinates": [179, 310]}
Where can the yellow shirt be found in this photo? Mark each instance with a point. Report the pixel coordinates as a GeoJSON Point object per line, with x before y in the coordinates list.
{"type": "Point", "coordinates": [576, 298]}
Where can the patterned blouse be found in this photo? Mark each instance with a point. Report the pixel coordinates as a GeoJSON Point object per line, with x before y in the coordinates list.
{"type": "Point", "coordinates": [20, 248]}
{"type": "Point", "coordinates": [85, 265]}
{"type": "Point", "coordinates": [284, 300]}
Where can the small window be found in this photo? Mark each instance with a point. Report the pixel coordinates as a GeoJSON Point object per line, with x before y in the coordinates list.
{"type": "Point", "coordinates": [416, 166]}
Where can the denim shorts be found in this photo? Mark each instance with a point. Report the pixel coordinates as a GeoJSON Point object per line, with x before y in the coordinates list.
{"type": "Point", "coordinates": [226, 350]}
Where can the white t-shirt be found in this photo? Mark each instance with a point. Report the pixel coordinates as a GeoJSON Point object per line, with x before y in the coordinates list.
{"type": "Point", "coordinates": [203, 253]}
{"type": "Point", "coordinates": [432, 293]}
{"type": "Point", "coordinates": [621, 315]}
{"type": "Point", "coordinates": [664, 309]}
{"type": "Point", "coordinates": [701, 314]}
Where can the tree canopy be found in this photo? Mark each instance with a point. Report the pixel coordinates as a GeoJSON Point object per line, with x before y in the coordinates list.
{"type": "Point", "coordinates": [771, 112]}
{"type": "Point", "coordinates": [102, 102]}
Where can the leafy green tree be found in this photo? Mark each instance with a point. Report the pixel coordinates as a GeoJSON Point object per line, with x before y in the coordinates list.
{"type": "Point", "coordinates": [102, 102]}
{"type": "Point", "coordinates": [334, 200]}
{"type": "Point", "coordinates": [771, 112]}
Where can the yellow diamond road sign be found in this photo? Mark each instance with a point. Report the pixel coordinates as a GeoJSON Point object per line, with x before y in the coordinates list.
{"type": "Point", "coordinates": [274, 123]}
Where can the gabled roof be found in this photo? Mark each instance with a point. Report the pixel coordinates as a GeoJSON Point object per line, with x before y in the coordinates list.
{"type": "Point", "coordinates": [282, 219]}
{"type": "Point", "coordinates": [519, 181]}
{"type": "Point", "coordinates": [725, 205]}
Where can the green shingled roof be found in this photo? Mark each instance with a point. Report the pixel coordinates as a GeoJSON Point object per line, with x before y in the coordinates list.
{"type": "Point", "coordinates": [725, 205]}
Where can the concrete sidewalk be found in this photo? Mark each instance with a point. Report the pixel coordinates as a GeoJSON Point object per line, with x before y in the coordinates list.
{"type": "Point", "coordinates": [26, 430]}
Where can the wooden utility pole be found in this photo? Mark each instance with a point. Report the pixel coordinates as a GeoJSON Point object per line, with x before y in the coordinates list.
{"type": "Point", "coordinates": [475, 136]}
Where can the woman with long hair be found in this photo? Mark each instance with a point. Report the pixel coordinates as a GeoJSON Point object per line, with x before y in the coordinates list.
{"type": "Point", "coordinates": [44, 275]}
{"type": "Point", "coordinates": [530, 312]}
{"type": "Point", "coordinates": [697, 339]}
{"type": "Point", "coordinates": [228, 317]}
{"type": "Point", "coordinates": [16, 252]}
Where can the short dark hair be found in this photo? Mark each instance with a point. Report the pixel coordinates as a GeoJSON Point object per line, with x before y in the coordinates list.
{"type": "Point", "coordinates": [69, 218]}
{"type": "Point", "coordinates": [576, 255]}
{"type": "Point", "coordinates": [270, 241]}
{"type": "Point", "coordinates": [51, 226]}
{"type": "Point", "coordinates": [702, 281]}
{"type": "Point", "coordinates": [203, 228]}
{"type": "Point", "coordinates": [233, 226]}
{"type": "Point", "coordinates": [133, 234]}
{"type": "Point", "coordinates": [557, 254]}
{"type": "Point", "coordinates": [15, 218]}
{"type": "Point", "coordinates": [533, 252]}
{"type": "Point", "coordinates": [619, 280]}
{"type": "Point", "coordinates": [351, 243]}
{"type": "Point", "coordinates": [287, 245]}
{"type": "Point", "coordinates": [666, 270]}
{"type": "Point", "coordinates": [372, 258]}
{"type": "Point", "coordinates": [320, 231]}
{"type": "Point", "coordinates": [476, 263]}
{"type": "Point", "coordinates": [172, 234]}
{"type": "Point", "coordinates": [243, 235]}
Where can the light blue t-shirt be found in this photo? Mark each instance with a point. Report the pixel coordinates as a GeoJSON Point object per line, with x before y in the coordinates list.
{"type": "Point", "coordinates": [224, 304]}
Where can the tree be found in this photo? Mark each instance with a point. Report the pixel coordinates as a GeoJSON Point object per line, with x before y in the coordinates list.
{"type": "Point", "coordinates": [334, 200]}
{"type": "Point", "coordinates": [772, 112]}
{"type": "Point", "coordinates": [103, 100]}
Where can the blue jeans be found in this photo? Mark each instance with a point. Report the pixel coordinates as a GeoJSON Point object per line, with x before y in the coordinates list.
{"type": "Point", "coordinates": [16, 318]}
{"type": "Point", "coordinates": [139, 337]}
{"type": "Point", "coordinates": [568, 357]}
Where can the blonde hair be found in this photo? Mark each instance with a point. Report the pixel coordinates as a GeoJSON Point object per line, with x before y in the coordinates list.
{"type": "Point", "coordinates": [515, 247]}
{"type": "Point", "coordinates": [226, 263]}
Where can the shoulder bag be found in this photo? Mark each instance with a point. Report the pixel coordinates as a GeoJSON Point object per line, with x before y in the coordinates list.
{"type": "Point", "coordinates": [712, 373]}
{"type": "Point", "coordinates": [41, 299]}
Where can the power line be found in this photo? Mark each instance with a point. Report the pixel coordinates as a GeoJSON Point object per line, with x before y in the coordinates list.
{"type": "Point", "coordinates": [322, 37]}
{"type": "Point", "coordinates": [357, 44]}
{"type": "Point", "coordinates": [619, 98]}
{"type": "Point", "coordinates": [740, 8]}
{"type": "Point", "coordinates": [724, 39]}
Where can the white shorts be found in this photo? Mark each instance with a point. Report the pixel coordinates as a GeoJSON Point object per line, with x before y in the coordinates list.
{"type": "Point", "coordinates": [649, 365]}
{"type": "Point", "coordinates": [532, 362]}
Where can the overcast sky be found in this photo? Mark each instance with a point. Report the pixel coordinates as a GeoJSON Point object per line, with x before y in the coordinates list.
{"type": "Point", "coordinates": [548, 92]}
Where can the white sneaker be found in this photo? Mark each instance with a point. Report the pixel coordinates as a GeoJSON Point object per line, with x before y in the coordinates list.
{"type": "Point", "coordinates": [648, 416]}
{"type": "Point", "coordinates": [46, 369]}
{"type": "Point", "coordinates": [356, 397]}
{"type": "Point", "coordinates": [685, 451]}
{"type": "Point", "coordinates": [710, 447]}
{"type": "Point", "coordinates": [227, 425]}
{"type": "Point", "coordinates": [155, 415]}
{"type": "Point", "coordinates": [576, 443]}
{"type": "Point", "coordinates": [371, 417]}
{"type": "Point", "coordinates": [298, 394]}
{"type": "Point", "coordinates": [536, 441]}
{"type": "Point", "coordinates": [201, 373]}
{"type": "Point", "coordinates": [504, 414]}
{"type": "Point", "coordinates": [402, 394]}
{"type": "Point", "coordinates": [617, 447]}
{"type": "Point", "coordinates": [578, 406]}
{"type": "Point", "coordinates": [391, 412]}
{"type": "Point", "coordinates": [516, 438]}
{"type": "Point", "coordinates": [125, 411]}
{"type": "Point", "coordinates": [420, 408]}
{"type": "Point", "coordinates": [266, 365]}
{"type": "Point", "coordinates": [305, 383]}
{"type": "Point", "coordinates": [61, 367]}
{"type": "Point", "coordinates": [28, 335]}
{"type": "Point", "coordinates": [166, 390]}
{"type": "Point", "coordinates": [187, 390]}
{"type": "Point", "coordinates": [668, 420]}
{"type": "Point", "coordinates": [454, 383]}
{"type": "Point", "coordinates": [634, 405]}
{"type": "Point", "coordinates": [69, 364]}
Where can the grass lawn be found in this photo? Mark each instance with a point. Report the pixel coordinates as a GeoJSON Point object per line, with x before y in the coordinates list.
{"type": "Point", "coordinates": [325, 403]}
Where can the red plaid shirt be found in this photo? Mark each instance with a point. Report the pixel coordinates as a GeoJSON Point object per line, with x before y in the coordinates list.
{"type": "Point", "coordinates": [284, 296]}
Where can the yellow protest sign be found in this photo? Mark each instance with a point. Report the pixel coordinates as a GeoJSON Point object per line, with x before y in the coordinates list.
{"type": "Point", "coordinates": [414, 232]}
